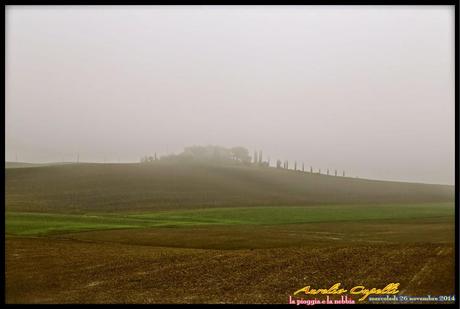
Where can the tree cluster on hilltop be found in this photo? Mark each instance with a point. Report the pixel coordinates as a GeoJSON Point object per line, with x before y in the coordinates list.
{"type": "Point", "coordinates": [217, 153]}
{"type": "Point", "coordinates": [210, 153]}
{"type": "Point", "coordinates": [238, 154]}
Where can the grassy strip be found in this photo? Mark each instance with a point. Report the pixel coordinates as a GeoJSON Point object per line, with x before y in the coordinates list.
{"type": "Point", "coordinates": [22, 223]}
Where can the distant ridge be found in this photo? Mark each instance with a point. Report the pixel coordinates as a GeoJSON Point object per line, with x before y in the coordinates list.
{"type": "Point", "coordinates": [9, 164]}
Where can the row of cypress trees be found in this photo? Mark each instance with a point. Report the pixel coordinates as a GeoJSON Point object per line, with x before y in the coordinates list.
{"type": "Point", "coordinates": [258, 160]}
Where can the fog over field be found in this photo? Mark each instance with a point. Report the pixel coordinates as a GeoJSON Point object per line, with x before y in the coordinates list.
{"type": "Point", "coordinates": [369, 90]}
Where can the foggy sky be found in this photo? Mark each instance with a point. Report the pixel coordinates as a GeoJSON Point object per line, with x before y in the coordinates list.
{"type": "Point", "coordinates": [366, 89]}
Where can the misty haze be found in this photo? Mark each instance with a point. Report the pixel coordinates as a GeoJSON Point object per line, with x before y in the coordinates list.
{"type": "Point", "coordinates": [229, 154]}
{"type": "Point", "coordinates": [366, 89]}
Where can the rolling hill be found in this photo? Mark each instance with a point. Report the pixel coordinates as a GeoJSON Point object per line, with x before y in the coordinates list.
{"type": "Point", "coordinates": [83, 188]}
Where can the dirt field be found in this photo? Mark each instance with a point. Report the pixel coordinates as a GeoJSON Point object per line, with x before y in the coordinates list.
{"type": "Point", "coordinates": [42, 270]}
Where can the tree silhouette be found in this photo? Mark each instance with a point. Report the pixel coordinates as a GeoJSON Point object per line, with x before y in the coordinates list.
{"type": "Point", "coordinates": [240, 154]}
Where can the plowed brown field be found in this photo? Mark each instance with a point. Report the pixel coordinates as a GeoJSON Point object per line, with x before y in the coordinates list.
{"type": "Point", "coordinates": [45, 270]}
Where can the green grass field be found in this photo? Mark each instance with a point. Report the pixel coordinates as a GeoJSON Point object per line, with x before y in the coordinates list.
{"type": "Point", "coordinates": [20, 223]}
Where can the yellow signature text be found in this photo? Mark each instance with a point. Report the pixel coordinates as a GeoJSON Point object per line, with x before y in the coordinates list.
{"type": "Point", "coordinates": [332, 290]}
{"type": "Point", "coordinates": [360, 290]}
{"type": "Point", "coordinates": [391, 288]}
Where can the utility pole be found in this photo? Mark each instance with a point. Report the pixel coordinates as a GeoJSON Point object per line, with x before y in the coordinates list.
{"type": "Point", "coordinates": [343, 173]}
{"type": "Point", "coordinates": [327, 171]}
{"type": "Point", "coordinates": [78, 157]}
{"type": "Point", "coordinates": [303, 167]}
{"type": "Point", "coordinates": [335, 172]}
{"type": "Point", "coordinates": [311, 169]}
